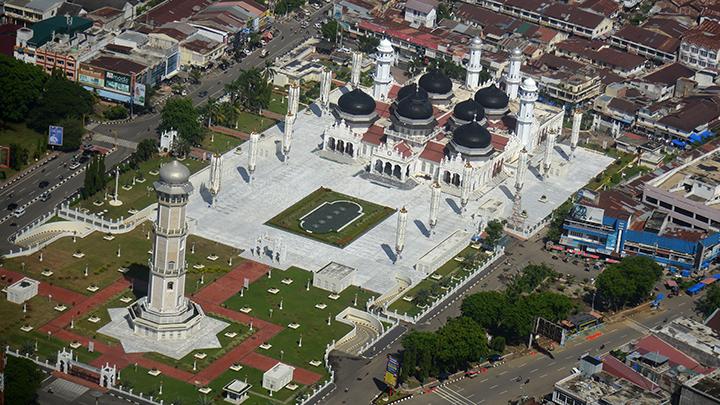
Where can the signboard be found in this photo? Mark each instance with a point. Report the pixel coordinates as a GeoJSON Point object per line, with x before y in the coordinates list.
{"type": "Point", "coordinates": [117, 82]}
{"type": "Point", "coordinates": [246, 282]}
{"type": "Point", "coordinates": [55, 136]}
{"type": "Point", "coordinates": [92, 77]}
{"type": "Point", "coordinates": [139, 94]}
{"type": "Point", "coordinates": [550, 330]}
{"type": "Point", "coordinates": [392, 370]}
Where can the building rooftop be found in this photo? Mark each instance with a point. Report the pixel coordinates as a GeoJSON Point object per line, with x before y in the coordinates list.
{"type": "Point", "coordinates": [336, 270]}
{"type": "Point", "coordinates": [695, 334]}
{"type": "Point", "coordinates": [708, 384]}
{"type": "Point", "coordinates": [43, 30]}
{"type": "Point", "coordinates": [174, 10]}
{"type": "Point", "coordinates": [279, 370]}
{"type": "Point", "coordinates": [669, 74]}
{"type": "Point", "coordinates": [706, 35]}
{"type": "Point", "coordinates": [649, 38]}
{"type": "Point", "coordinates": [39, 5]}
{"type": "Point", "coordinates": [602, 385]}
{"type": "Point", "coordinates": [119, 65]}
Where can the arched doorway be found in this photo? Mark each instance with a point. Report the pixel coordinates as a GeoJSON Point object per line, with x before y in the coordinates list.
{"type": "Point", "coordinates": [379, 166]}
{"type": "Point", "coordinates": [388, 168]}
{"type": "Point", "coordinates": [456, 180]}
{"type": "Point", "coordinates": [340, 146]}
{"type": "Point", "coordinates": [350, 149]}
{"type": "Point", "coordinates": [447, 177]}
{"type": "Point", "coordinates": [331, 143]}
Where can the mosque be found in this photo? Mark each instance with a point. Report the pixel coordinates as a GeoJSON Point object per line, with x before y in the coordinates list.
{"type": "Point", "coordinates": [460, 135]}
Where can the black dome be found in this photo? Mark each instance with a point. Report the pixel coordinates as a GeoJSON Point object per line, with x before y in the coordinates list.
{"type": "Point", "coordinates": [435, 82]}
{"type": "Point", "coordinates": [472, 135]}
{"type": "Point", "coordinates": [409, 90]}
{"type": "Point", "coordinates": [492, 97]}
{"type": "Point", "coordinates": [356, 102]}
{"type": "Point", "coordinates": [415, 106]}
{"type": "Point", "coordinates": [468, 110]}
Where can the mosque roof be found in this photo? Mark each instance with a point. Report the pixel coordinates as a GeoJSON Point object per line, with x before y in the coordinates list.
{"type": "Point", "coordinates": [435, 82]}
{"type": "Point", "coordinates": [468, 110]}
{"type": "Point", "coordinates": [492, 97]}
{"type": "Point", "coordinates": [356, 102]}
{"type": "Point", "coordinates": [472, 135]}
{"type": "Point", "coordinates": [415, 107]}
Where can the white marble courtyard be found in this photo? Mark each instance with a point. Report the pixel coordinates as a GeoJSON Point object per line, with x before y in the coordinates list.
{"type": "Point", "coordinates": [242, 208]}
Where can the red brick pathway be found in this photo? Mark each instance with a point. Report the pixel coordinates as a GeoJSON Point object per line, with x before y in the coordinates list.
{"type": "Point", "coordinates": [231, 283]}
{"type": "Point", "coordinates": [264, 363]}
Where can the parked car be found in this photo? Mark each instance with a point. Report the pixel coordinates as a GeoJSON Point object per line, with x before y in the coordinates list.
{"type": "Point", "coordinates": [19, 212]}
{"type": "Point", "coordinates": [45, 196]}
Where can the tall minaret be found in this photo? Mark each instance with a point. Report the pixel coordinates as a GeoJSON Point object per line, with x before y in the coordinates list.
{"type": "Point", "coordinates": [526, 114]}
{"type": "Point", "coordinates": [325, 86]}
{"type": "Point", "coordinates": [166, 288]}
{"type": "Point", "coordinates": [522, 163]}
{"type": "Point", "coordinates": [215, 174]}
{"type": "Point", "coordinates": [512, 79]}
{"type": "Point", "coordinates": [401, 229]}
{"type": "Point", "coordinates": [287, 135]}
{"type": "Point", "coordinates": [474, 67]}
{"type": "Point", "coordinates": [293, 98]}
{"type": "Point", "coordinates": [435, 192]}
{"type": "Point", "coordinates": [355, 70]}
{"type": "Point", "coordinates": [466, 185]}
{"type": "Point", "coordinates": [252, 156]}
{"type": "Point", "coordinates": [384, 58]}
{"type": "Point", "coordinates": [575, 134]}
{"type": "Point", "coordinates": [549, 148]}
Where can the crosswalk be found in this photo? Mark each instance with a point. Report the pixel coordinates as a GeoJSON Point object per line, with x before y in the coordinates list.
{"type": "Point", "coordinates": [452, 396]}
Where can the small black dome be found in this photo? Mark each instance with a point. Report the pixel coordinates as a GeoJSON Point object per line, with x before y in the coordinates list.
{"type": "Point", "coordinates": [409, 90]}
{"type": "Point", "coordinates": [435, 82]}
{"type": "Point", "coordinates": [492, 98]}
{"type": "Point", "coordinates": [356, 102]}
{"type": "Point", "coordinates": [472, 135]}
{"type": "Point", "coordinates": [415, 107]}
{"type": "Point", "coordinates": [468, 110]}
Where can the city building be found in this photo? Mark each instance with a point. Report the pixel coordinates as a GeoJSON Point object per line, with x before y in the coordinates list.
{"type": "Point", "coordinates": [421, 12]}
{"type": "Point", "coordinates": [648, 43]}
{"type": "Point", "coordinates": [28, 12]}
{"type": "Point", "coordinates": [112, 78]}
{"type": "Point", "coordinates": [679, 120]}
{"type": "Point", "coordinates": [601, 388]}
{"type": "Point", "coordinates": [694, 339]}
{"type": "Point", "coordinates": [236, 392]}
{"type": "Point", "coordinates": [200, 51]}
{"type": "Point", "coordinates": [277, 377]}
{"type": "Point", "coordinates": [702, 389]}
{"type": "Point", "coordinates": [22, 290]}
{"type": "Point", "coordinates": [700, 46]}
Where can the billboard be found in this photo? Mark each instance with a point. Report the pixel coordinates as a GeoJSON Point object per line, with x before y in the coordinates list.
{"type": "Point", "coordinates": [392, 369]}
{"type": "Point", "coordinates": [117, 82]}
{"type": "Point", "coordinates": [91, 76]}
{"type": "Point", "coordinates": [139, 94]}
{"type": "Point", "coordinates": [55, 136]}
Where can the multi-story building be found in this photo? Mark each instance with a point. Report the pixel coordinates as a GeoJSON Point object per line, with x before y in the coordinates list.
{"type": "Point", "coordinates": [702, 389]}
{"type": "Point", "coordinates": [421, 12]}
{"type": "Point", "coordinates": [648, 43]}
{"type": "Point", "coordinates": [700, 47]}
{"type": "Point", "coordinates": [679, 120]}
{"type": "Point", "coordinates": [27, 12]}
{"type": "Point", "coordinates": [564, 80]}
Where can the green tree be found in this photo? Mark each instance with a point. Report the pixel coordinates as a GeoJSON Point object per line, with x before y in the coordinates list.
{"type": "Point", "coordinates": [22, 380]}
{"type": "Point", "coordinates": [18, 156]}
{"type": "Point", "coordinates": [61, 99]}
{"type": "Point", "coordinates": [73, 132]}
{"type": "Point", "coordinates": [330, 30]}
{"type": "Point", "coordinates": [558, 218]}
{"type": "Point", "coordinates": [628, 282]}
{"type": "Point", "coordinates": [494, 231]}
{"type": "Point", "coordinates": [497, 343]}
{"type": "Point", "coordinates": [195, 75]}
{"type": "Point", "coordinates": [22, 85]}
{"type": "Point", "coordinates": [251, 90]}
{"type": "Point", "coordinates": [444, 10]}
{"type": "Point", "coordinates": [146, 149]}
{"type": "Point", "coordinates": [418, 356]}
{"type": "Point", "coordinates": [710, 302]}
{"type": "Point", "coordinates": [485, 307]}
{"type": "Point", "coordinates": [460, 342]}
{"type": "Point", "coordinates": [368, 44]}
{"type": "Point", "coordinates": [179, 114]}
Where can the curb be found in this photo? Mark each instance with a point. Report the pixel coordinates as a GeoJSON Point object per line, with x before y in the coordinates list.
{"type": "Point", "coordinates": [29, 170]}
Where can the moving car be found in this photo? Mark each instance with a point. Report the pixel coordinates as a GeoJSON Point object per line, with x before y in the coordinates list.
{"type": "Point", "coordinates": [19, 212]}
{"type": "Point", "coordinates": [43, 184]}
{"type": "Point", "coordinates": [45, 196]}
{"type": "Point", "coordinates": [74, 165]}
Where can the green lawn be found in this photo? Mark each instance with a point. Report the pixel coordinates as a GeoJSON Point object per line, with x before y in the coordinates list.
{"type": "Point", "coordinates": [103, 264]}
{"type": "Point", "coordinates": [289, 219]}
{"type": "Point", "coordinates": [448, 270]}
{"type": "Point", "coordinates": [220, 143]}
{"type": "Point", "coordinates": [19, 134]}
{"type": "Point", "coordinates": [298, 307]}
{"type": "Point", "coordinates": [39, 312]}
{"type": "Point", "coordinates": [249, 122]}
{"type": "Point", "coordinates": [86, 328]}
{"type": "Point", "coordinates": [258, 394]}
{"type": "Point", "coordinates": [175, 391]}
{"type": "Point", "coordinates": [278, 103]}
{"type": "Point", "coordinates": [186, 363]}
{"type": "Point", "coordinates": [139, 196]}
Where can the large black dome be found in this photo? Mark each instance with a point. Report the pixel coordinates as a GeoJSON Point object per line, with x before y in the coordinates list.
{"type": "Point", "coordinates": [356, 102]}
{"type": "Point", "coordinates": [492, 98]}
{"type": "Point", "coordinates": [435, 82]}
{"type": "Point", "coordinates": [468, 110]}
{"type": "Point", "coordinates": [409, 90]}
{"type": "Point", "coordinates": [415, 107]}
{"type": "Point", "coordinates": [472, 135]}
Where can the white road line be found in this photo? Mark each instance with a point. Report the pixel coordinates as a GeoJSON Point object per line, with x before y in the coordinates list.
{"type": "Point", "coordinates": [482, 381]}
{"type": "Point", "coordinates": [523, 364]}
{"type": "Point", "coordinates": [682, 303]}
{"type": "Point", "coordinates": [494, 386]}
{"type": "Point", "coordinates": [552, 364]}
{"type": "Point", "coordinates": [562, 368]}
{"type": "Point", "coordinates": [543, 375]}
{"type": "Point", "coordinates": [503, 373]}
{"type": "Point", "coordinates": [533, 371]}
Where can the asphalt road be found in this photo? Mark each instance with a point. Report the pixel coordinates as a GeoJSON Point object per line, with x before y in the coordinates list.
{"type": "Point", "coordinates": [142, 127]}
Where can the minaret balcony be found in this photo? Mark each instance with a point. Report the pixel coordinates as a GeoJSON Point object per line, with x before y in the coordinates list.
{"type": "Point", "coordinates": [159, 230]}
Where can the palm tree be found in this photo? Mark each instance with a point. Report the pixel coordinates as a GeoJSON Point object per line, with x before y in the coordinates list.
{"type": "Point", "coordinates": [195, 75]}
{"type": "Point", "coordinates": [211, 109]}
{"type": "Point", "coordinates": [269, 71]}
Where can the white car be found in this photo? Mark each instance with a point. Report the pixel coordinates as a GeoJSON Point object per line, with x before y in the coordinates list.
{"type": "Point", "coordinates": [19, 212]}
{"type": "Point", "coordinates": [74, 165]}
{"type": "Point", "coordinates": [317, 25]}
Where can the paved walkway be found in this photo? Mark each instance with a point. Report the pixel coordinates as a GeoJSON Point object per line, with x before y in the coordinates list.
{"type": "Point", "coordinates": [231, 283]}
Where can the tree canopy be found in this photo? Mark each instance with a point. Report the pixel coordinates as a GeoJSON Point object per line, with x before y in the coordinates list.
{"type": "Point", "coordinates": [330, 30]}
{"type": "Point", "coordinates": [368, 44]}
{"type": "Point", "coordinates": [628, 282]}
{"type": "Point", "coordinates": [179, 114]}
{"type": "Point", "coordinates": [22, 380]}
{"type": "Point", "coordinates": [21, 84]}
{"type": "Point", "coordinates": [494, 231]}
{"type": "Point", "coordinates": [60, 99]}
{"type": "Point", "coordinates": [710, 302]}
{"type": "Point", "coordinates": [251, 90]}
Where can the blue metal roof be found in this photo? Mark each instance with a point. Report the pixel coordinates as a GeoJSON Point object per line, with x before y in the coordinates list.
{"type": "Point", "coordinates": [696, 288]}
{"type": "Point", "coordinates": [662, 242]}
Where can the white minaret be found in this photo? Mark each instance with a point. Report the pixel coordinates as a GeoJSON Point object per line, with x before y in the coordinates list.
{"type": "Point", "coordinates": [474, 67]}
{"type": "Point", "coordinates": [357, 58]}
{"type": "Point", "coordinates": [526, 114]}
{"type": "Point", "coordinates": [517, 218]}
{"type": "Point", "coordinates": [435, 192]}
{"type": "Point", "coordinates": [465, 186]}
{"type": "Point", "coordinates": [512, 79]}
{"type": "Point", "coordinates": [575, 134]}
{"type": "Point", "coordinates": [293, 98]}
{"type": "Point", "coordinates": [549, 147]}
{"type": "Point", "coordinates": [166, 287]}
{"type": "Point", "coordinates": [384, 58]}
{"type": "Point", "coordinates": [215, 174]}
{"type": "Point", "coordinates": [252, 156]}
{"type": "Point", "coordinates": [287, 135]}
{"type": "Point", "coordinates": [401, 229]}
{"type": "Point", "coordinates": [325, 86]}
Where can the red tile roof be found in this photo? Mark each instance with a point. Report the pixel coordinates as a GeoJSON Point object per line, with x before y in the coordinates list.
{"type": "Point", "coordinates": [434, 152]}
{"type": "Point", "coordinates": [374, 135]}
{"type": "Point", "coordinates": [174, 10]}
{"type": "Point", "coordinates": [654, 344]}
{"type": "Point", "coordinates": [383, 109]}
{"type": "Point", "coordinates": [603, 7]}
{"type": "Point", "coordinates": [615, 367]}
{"type": "Point", "coordinates": [706, 35]}
{"type": "Point", "coordinates": [393, 92]}
{"type": "Point", "coordinates": [404, 150]}
{"type": "Point", "coordinates": [713, 321]}
{"type": "Point", "coordinates": [499, 142]}
{"type": "Point", "coordinates": [7, 38]}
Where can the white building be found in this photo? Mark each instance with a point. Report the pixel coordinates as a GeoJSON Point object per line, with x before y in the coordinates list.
{"type": "Point", "coordinates": [421, 12]}
{"type": "Point", "coordinates": [334, 277]}
{"type": "Point", "coordinates": [22, 290]}
{"type": "Point", "coordinates": [278, 377]}
{"type": "Point", "coordinates": [236, 392]}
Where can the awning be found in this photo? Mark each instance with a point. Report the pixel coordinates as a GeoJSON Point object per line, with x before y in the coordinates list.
{"type": "Point", "coordinates": [671, 283]}
{"type": "Point", "coordinates": [554, 247]}
{"type": "Point", "coordinates": [609, 260]}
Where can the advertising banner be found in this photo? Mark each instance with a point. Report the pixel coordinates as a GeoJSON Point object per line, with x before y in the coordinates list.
{"type": "Point", "coordinates": [139, 94]}
{"type": "Point", "coordinates": [117, 82]}
{"type": "Point", "coordinates": [392, 370]}
{"type": "Point", "coordinates": [93, 77]}
{"type": "Point", "coordinates": [55, 136]}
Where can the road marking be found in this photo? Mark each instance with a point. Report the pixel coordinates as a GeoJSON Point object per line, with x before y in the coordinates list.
{"type": "Point", "coordinates": [562, 368]}
{"type": "Point", "coordinates": [682, 303]}
{"type": "Point", "coordinates": [523, 364]}
{"type": "Point", "coordinates": [503, 373]}
{"type": "Point", "coordinates": [493, 387]}
{"type": "Point", "coordinates": [569, 357]}
{"type": "Point", "coordinates": [482, 381]}
{"type": "Point", "coordinates": [504, 392]}
{"type": "Point", "coordinates": [552, 364]}
{"type": "Point", "coordinates": [623, 336]}
{"type": "Point", "coordinates": [533, 371]}
{"type": "Point", "coordinates": [543, 375]}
